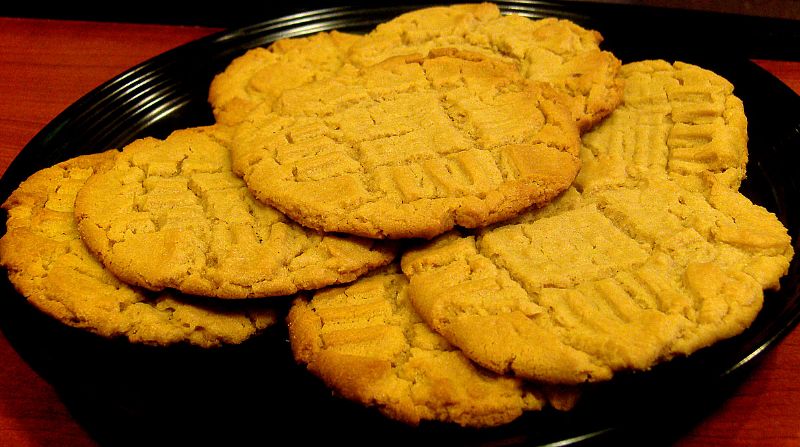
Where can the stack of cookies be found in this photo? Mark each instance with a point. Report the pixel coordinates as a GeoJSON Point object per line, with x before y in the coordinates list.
{"type": "Point", "coordinates": [472, 214]}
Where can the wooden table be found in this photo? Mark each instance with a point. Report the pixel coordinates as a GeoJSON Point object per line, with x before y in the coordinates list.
{"type": "Point", "coordinates": [46, 65]}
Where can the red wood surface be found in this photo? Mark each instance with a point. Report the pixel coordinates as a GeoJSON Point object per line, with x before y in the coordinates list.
{"type": "Point", "coordinates": [46, 65]}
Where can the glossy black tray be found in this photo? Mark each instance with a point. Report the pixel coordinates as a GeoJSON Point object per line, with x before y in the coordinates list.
{"type": "Point", "coordinates": [127, 394]}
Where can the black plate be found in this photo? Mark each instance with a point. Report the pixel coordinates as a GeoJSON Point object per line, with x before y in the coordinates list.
{"type": "Point", "coordinates": [127, 394]}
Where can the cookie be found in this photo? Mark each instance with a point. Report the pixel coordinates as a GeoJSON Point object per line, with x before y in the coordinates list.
{"type": "Point", "coordinates": [551, 50]}
{"type": "Point", "coordinates": [368, 344]}
{"type": "Point", "coordinates": [49, 265]}
{"type": "Point", "coordinates": [171, 214]}
{"type": "Point", "coordinates": [261, 74]}
{"type": "Point", "coordinates": [410, 147]}
{"type": "Point", "coordinates": [676, 118]}
{"type": "Point", "coordinates": [615, 279]}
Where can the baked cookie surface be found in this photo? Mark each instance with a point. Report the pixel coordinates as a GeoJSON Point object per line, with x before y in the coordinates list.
{"type": "Point", "coordinates": [48, 264]}
{"type": "Point", "coordinates": [367, 343]}
{"type": "Point", "coordinates": [171, 214]}
{"type": "Point", "coordinates": [410, 147]}
{"type": "Point", "coordinates": [551, 50]}
{"type": "Point", "coordinates": [261, 74]}
{"type": "Point", "coordinates": [617, 279]}
{"type": "Point", "coordinates": [675, 118]}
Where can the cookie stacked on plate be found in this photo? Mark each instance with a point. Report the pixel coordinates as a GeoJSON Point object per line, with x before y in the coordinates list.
{"type": "Point", "coordinates": [472, 213]}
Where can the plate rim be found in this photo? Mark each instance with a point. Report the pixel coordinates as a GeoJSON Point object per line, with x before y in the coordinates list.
{"type": "Point", "coordinates": [278, 27]}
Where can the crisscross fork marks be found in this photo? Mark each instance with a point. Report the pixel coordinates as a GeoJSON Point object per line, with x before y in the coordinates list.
{"type": "Point", "coordinates": [367, 343]}
{"type": "Point", "coordinates": [194, 226]}
{"type": "Point", "coordinates": [49, 264]}
{"type": "Point", "coordinates": [655, 277]}
{"type": "Point", "coordinates": [410, 147]}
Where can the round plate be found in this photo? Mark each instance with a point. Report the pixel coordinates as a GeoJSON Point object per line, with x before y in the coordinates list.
{"type": "Point", "coordinates": [126, 394]}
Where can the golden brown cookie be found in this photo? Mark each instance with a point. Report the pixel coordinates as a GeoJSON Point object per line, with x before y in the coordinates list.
{"type": "Point", "coordinates": [368, 344]}
{"type": "Point", "coordinates": [617, 279]}
{"type": "Point", "coordinates": [676, 118]}
{"type": "Point", "coordinates": [48, 264]}
{"type": "Point", "coordinates": [171, 213]}
{"type": "Point", "coordinates": [410, 147]}
{"type": "Point", "coordinates": [261, 74]}
{"type": "Point", "coordinates": [551, 50]}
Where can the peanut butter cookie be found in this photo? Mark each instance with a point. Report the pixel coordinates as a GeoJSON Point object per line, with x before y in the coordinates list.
{"type": "Point", "coordinates": [48, 264]}
{"type": "Point", "coordinates": [171, 214]}
{"type": "Point", "coordinates": [614, 279]}
{"type": "Point", "coordinates": [676, 118]}
{"type": "Point", "coordinates": [410, 147]}
{"type": "Point", "coordinates": [262, 74]}
{"type": "Point", "coordinates": [551, 50]}
{"type": "Point", "coordinates": [369, 345]}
